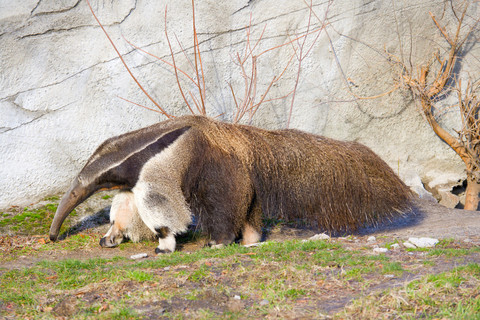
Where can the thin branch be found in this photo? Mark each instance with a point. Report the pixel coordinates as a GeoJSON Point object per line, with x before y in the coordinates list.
{"type": "Point", "coordinates": [141, 105]}
{"type": "Point", "coordinates": [198, 62]}
{"type": "Point", "coordinates": [301, 55]}
{"type": "Point", "coordinates": [442, 30]}
{"type": "Point", "coordinates": [175, 65]}
{"type": "Point", "coordinates": [289, 42]}
{"type": "Point", "coordinates": [160, 59]}
{"type": "Point", "coordinates": [125, 64]}
{"type": "Point", "coordinates": [395, 88]}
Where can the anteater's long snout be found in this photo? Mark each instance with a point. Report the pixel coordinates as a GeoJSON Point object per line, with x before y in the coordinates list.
{"type": "Point", "coordinates": [72, 198]}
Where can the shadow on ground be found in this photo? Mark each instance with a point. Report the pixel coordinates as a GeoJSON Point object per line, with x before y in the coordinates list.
{"type": "Point", "coordinates": [96, 220]}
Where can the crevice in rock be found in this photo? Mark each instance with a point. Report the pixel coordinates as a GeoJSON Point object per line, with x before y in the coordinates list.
{"type": "Point", "coordinates": [60, 81]}
{"type": "Point", "coordinates": [460, 189]}
{"type": "Point", "coordinates": [36, 6]}
{"type": "Point", "coordinates": [250, 2]}
{"type": "Point", "coordinates": [129, 13]}
{"type": "Point", "coordinates": [56, 30]}
{"type": "Point", "coordinates": [40, 115]}
{"type": "Point", "coordinates": [25, 123]}
{"type": "Point", "coordinates": [32, 14]}
{"type": "Point", "coordinates": [49, 31]}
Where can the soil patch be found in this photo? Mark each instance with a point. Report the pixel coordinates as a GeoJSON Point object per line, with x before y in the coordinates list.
{"type": "Point", "coordinates": [310, 281]}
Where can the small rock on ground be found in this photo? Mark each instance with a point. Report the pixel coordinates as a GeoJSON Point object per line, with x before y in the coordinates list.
{"type": "Point", "coordinates": [320, 236]}
{"type": "Point", "coordinates": [139, 256]}
{"type": "Point", "coordinates": [423, 242]}
{"type": "Point", "coordinates": [380, 250]}
{"type": "Point", "coordinates": [395, 246]}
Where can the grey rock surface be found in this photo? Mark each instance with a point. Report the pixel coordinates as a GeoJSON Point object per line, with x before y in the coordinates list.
{"type": "Point", "coordinates": [61, 79]}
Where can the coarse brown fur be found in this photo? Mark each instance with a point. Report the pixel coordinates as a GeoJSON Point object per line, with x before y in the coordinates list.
{"type": "Point", "coordinates": [290, 175]}
{"type": "Point", "coordinates": [231, 176]}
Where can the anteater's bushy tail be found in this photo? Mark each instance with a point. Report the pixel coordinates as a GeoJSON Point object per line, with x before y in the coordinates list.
{"type": "Point", "coordinates": [329, 184]}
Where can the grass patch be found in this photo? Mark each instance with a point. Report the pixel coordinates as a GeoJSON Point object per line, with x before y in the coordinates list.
{"type": "Point", "coordinates": [199, 275]}
{"type": "Point", "coordinates": [446, 249]}
{"type": "Point", "coordinates": [448, 295]}
{"type": "Point", "coordinates": [452, 252]}
{"type": "Point", "coordinates": [123, 313]}
{"type": "Point", "coordinates": [291, 278]}
{"type": "Point", "coordinates": [27, 288]}
{"type": "Point", "coordinates": [31, 221]}
{"type": "Point", "coordinates": [72, 273]}
{"type": "Point", "coordinates": [52, 198]}
{"type": "Point", "coordinates": [139, 276]}
{"type": "Point", "coordinates": [393, 268]}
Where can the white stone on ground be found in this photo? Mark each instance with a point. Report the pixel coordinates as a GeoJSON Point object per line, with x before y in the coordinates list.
{"type": "Point", "coordinates": [380, 250]}
{"type": "Point", "coordinates": [138, 256]}
{"type": "Point", "coordinates": [320, 236]}
{"type": "Point", "coordinates": [423, 242]}
{"type": "Point", "coordinates": [409, 245]}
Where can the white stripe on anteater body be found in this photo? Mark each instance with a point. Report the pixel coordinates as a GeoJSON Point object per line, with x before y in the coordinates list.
{"type": "Point", "coordinates": [229, 176]}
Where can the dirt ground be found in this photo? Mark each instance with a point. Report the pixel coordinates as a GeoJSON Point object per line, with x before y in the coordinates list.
{"type": "Point", "coordinates": [427, 220]}
{"type": "Point", "coordinates": [433, 220]}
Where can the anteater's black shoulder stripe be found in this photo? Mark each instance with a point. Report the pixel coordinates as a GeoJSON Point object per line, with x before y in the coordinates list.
{"type": "Point", "coordinates": [167, 139]}
{"type": "Point", "coordinates": [127, 171]}
{"type": "Point", "coordinates": [117, 149]}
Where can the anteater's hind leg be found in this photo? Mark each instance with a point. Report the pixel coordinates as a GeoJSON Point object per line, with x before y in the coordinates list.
{"type": "Point", "coordinates": [251, 232]}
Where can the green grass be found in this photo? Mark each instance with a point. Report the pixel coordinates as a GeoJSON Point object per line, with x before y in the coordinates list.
{"type": "Point", "coordinates": [72, 243]}
{"type": "Point", "coordinates": [291, 276]}
{"type": "Point", "coordinates": [31, 221]}
{"type": "Point", "coordinates": [139, 276]}
{"type": "Point", "coordinates": [452, 252]}
{"type": "Point", "coordinates": [73, 273]}
{"type": "Point", "coordinates": [123, 313]}
{"type": "Point", "coordinates": [26, 288]}
{"type": "Point", "coordinates": [393, 268]}
{"type": "Point", "coordinates": [295, 293]}
{"type": "Point", "coordinates": [448, 295]}
{"type": "Point", "coordinates": [199, 275]}
{"type": "Point", "coordinates": [270, 272]}
{"type": "Point", "coordinates": [52, 198]}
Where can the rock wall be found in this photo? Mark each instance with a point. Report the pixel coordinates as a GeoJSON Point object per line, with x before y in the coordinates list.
{"type": "Point", "coordinates": [62, 84]}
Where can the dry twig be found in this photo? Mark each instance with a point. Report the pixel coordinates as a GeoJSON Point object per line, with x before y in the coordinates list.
{"type": "Point", "coordinates": [125, 64]}
{"type": "Point", "coordinates": [429, 92]}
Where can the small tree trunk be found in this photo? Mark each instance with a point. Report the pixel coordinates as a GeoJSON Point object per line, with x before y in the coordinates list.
{"type": "Point", "coordinates": [471, 194]}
